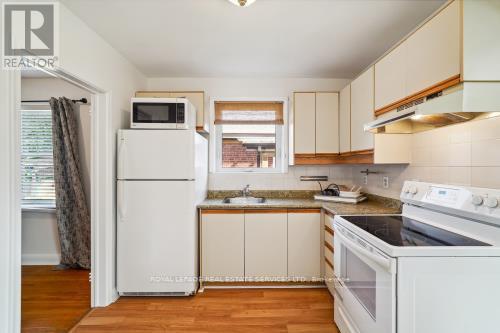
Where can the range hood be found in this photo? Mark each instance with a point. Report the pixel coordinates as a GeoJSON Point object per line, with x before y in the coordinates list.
{"type": "Point", "coordinates": [463, 102]}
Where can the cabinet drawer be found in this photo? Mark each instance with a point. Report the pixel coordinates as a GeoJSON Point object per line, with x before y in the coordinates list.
{"type": "Point", "coordinates": [329, 219]}
{"type": "Point", "coordinates": [329, 278]}
{"type": "Point", "coordinates": [328, 238]}
{"type": "Point", "coordinates": [329, 254]}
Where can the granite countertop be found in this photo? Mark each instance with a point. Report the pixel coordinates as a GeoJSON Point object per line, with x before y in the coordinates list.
{"type": "Point", "coordinates": [295, 199]}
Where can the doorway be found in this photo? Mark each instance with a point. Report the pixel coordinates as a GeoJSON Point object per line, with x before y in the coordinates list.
{"type": "Point", "coordinates": [53, 296]}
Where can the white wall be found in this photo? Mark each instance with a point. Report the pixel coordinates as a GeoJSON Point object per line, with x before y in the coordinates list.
{"type": "Point", "coordinates": [40, 244]}
{"type": "Point", "coordinates": [259, 87]}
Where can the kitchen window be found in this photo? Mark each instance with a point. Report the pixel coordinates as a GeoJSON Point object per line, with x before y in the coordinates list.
{"type": "Point", "coordinates": [250, 136]}
{"type": "Point", "coordinates": [37, 167]}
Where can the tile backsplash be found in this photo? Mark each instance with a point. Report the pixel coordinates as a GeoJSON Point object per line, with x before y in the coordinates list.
{"type": "Point", "coordinates": [463, 154]}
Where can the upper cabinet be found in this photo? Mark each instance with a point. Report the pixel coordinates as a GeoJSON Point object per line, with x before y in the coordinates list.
{"type": "Point", "coordinates": [327, 123]}
{"type": "Point", "coordinates": [427, 61]}
{"type": "Point", "coordinates": [316, 123]}
{"type": "Point", "coordinates": [433, 51]}
{"type": "Point", "coordinates": [362, 107]}
{"type": "Point", "coordinates": [197, 98]}
{"type": "Point", "coordinates": [304, 124]}
{"type": "Point", "coordinates": [345, 120]}
{"type": "Point", "coordinates": [390, 77]}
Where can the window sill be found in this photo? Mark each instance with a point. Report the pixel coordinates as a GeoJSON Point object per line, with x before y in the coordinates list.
{"type": "Point", "coordinates": [32, 209]}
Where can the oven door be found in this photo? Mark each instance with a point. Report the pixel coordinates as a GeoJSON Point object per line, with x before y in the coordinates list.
{"type": "Point", "coordinates": [365, 284]}
{"type": "Point", "coordinates": [162, 115]}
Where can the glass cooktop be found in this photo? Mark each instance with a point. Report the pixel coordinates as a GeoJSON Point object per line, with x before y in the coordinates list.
{"type": "Point", "coordinates": [398, 230]}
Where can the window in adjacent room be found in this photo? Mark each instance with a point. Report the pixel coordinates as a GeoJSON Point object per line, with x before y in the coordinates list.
{"type": "Point", "coordinates": [249, 136]}
{"type": "Point", "coordinates": [37, 167]}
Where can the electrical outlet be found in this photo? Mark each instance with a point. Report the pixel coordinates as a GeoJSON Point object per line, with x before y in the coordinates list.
{"type": "Point", "coordinates": [365, 179]}
{"type": "Point", "coordinates": [385, 182]}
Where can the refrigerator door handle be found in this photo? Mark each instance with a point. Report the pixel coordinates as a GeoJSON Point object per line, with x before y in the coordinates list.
{"type": "Point", "coordinates": [121, 156]}
{"type": "Point", "coordinates": [121, 202]}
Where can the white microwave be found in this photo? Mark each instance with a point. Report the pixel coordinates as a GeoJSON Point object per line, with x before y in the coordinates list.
{"type": "Point", "coordinates": [162, 113]}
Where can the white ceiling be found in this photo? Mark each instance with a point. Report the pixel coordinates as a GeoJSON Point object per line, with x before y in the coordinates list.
{"type": "Point", "coordinates": [271, 38]}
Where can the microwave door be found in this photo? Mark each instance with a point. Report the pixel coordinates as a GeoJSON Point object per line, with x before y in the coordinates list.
{"type": "Point", "coordinates": [153, 114]}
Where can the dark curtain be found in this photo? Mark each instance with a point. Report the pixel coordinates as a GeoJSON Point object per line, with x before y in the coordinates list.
{"type": "Point", "coordinates": [73, 220]}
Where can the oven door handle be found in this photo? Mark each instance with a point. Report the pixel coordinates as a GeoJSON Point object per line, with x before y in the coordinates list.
{"type": "Point", "coordinates": [382, 261]}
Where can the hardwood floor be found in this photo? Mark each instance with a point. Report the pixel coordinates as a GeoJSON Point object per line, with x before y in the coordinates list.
{"type": "Point", "coordinates": [218, 310]}
{"type": "Point", "coordinates": [53, 300]}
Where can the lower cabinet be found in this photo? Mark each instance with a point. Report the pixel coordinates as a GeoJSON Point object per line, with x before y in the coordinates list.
{"type": "Point", "coordinates": [222, 246]}
{"type": "Point", "coordinates": [260, 245]}
{"type": "Point", "coordinates": [304, 237]}
{"type": "Point", "coordinates": [265, 244]}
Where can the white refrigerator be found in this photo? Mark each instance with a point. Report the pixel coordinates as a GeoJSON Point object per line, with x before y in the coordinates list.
{"type": "Point", "coordinates": [162, 177]}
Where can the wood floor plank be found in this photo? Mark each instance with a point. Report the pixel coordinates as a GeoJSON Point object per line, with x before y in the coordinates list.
{"type": "Point", "coordinates": [218, 310]}
{"type": "Point", "coordinates": [53, 300]}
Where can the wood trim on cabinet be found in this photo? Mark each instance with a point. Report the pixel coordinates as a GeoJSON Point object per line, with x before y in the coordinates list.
{"type": "Point", "coordinates": [450, 82]}
{"type": "Point", "coordinates": [266, 211]}
{"type": "Point", "coordinates": [329, 246]}
{"type": "Point", "coordinates": [222, 211]}
{"type": "Point", "coordinates": [329, 230]}
{"type": "Point", "coordinates": [328, 263]}
{"type": "Point", "coordinates": [327, 212]}
{"type": "Point", "coordinates": [357, 152]}
{"type": "Point", "coordinates": [355, 157]}
{"type": "Point", "coordinates": [304, 210]}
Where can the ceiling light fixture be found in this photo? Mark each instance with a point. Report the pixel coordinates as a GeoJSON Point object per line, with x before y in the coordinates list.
{"type": "Point", "coordinates": [242, 3]}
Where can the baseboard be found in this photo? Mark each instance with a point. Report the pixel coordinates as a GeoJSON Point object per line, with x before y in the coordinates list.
{"type": "Point", "coordinates": [40, 259]}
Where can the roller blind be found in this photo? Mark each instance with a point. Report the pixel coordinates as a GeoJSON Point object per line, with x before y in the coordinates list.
{"type": "Point", "coordinates": [244, 113]}
{"type": "Point", "coordinates": [37, 167]}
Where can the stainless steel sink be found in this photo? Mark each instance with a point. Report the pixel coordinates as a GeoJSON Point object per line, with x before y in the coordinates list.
{"type": "Point", "coordinates": [244, 200]}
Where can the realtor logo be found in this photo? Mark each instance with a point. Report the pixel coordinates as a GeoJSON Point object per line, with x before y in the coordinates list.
{"type": "Point", "coordinates": [30, 35]}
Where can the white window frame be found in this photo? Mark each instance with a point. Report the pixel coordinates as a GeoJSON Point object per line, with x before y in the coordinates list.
{"type": "Point", "coordinates": [36, 207]}
{"type": "Point", "coordinates": [281, 165]}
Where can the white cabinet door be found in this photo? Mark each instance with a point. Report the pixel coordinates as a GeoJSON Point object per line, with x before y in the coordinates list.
{"type": "Point", "coordinates": [434, 50]}
{"type": "Point", "coordinates": [390, 77]}
{"type": "Point", "coordinates": [266, 244]}
{"type": "Point", "coordinates": [392, 148]}
{"type": "Point", "coordinates": [345, 120]}
{"type": "Point", "coordinates": [153, 94]}
{"type": "Point", "coordinates": [362, 108]}
{"type": "Point", "coordinates": [305, 123]}
{"type": "Point", "coordinates": [304, 248]}
{"type": "Point", "coordinates": [222, 244]}
{"type": "Point", "coordinates": [327, 123]}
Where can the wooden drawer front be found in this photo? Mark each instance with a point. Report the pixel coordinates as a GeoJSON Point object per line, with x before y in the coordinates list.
{"type": "Point", "coordinates": [329, 278]}
{"type": "Point", "coordinates": [329, 219]}
{"type": "Point", "coordinates": [329, 254]}
{"type": "Point", "coordinates": [328, 238]}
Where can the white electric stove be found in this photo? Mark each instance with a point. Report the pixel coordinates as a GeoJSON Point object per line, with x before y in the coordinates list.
{"type": "Point", "coordinates": [433, 269]}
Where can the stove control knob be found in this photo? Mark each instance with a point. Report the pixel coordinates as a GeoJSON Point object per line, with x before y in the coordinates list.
{"type": "Point", "coordinates": [413, 189]}
{"type": "Point", "coordinates": [477, 200]}
{"type": "Point", "coordinates": [407, 190]}
{"type": "Point", "coordinates": [491, 202]}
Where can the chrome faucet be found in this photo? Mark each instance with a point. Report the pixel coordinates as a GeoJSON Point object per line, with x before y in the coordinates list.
{"type": "Point", "coordinates": [246, 191]}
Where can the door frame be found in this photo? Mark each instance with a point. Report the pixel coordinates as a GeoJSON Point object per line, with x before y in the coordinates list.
{"type": "Point", "coordinates": [103, 291]}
